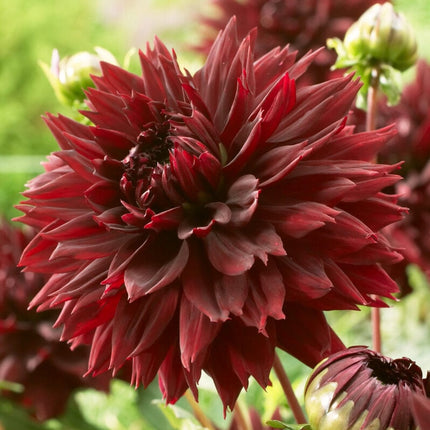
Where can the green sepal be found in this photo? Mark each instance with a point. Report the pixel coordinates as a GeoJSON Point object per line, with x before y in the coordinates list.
{"type": "Point", "coordinates": [390, 79]}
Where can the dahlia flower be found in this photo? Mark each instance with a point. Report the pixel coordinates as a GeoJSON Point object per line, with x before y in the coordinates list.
{"type": "Point", "coordinates": [411, 144]}
{"type": "Point", "coordinates": [30, 351]}
{"type": "Point", "coordinates": [305, 25]}
{"type": "Point", "coordinates": [203, 220]}
{"type": "Point", "coordinates": [361, 389]}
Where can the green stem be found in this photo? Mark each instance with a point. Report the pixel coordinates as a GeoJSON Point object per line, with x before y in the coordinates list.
{"type": "Point", "coordinates": [198, 412]}
{"type": "Point", "coordinates": [241, 417]}
{"type": "Point", "coordinates": [372, 96]}
{"type": "Point", "coordinates": [289, 392]}
{"type": "Point", "coordinates": [371, 116]}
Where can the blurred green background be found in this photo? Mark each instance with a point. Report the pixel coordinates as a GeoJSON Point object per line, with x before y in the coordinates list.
{"type": "Point", "coordinates": [29, 31]}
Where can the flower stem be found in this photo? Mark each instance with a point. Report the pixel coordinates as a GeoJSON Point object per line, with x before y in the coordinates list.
{"type": "Point", "coordinates": [376, 329]}
{"type": "Point", "coordinates": [289, 392]}
{"type": "Point", "coordinates": [371, 116]}
{"type": "Point", "coordinates": [242, 420]}
{"type": "Point", "coordinates": [372, 105]}
{"type": "Point", "coordinates": [198, 412]}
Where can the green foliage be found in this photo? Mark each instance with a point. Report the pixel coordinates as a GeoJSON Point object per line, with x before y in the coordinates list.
{"type": "Point", "coordinates": [116, 410]}
{"type": "Point", "coordinates": [280, 425]}
{"type": "Point", "coordinates": [29, 31]}
{"type": "Point", "coordinates": [12, 417]}
{"type": "Point", "coordinates": [11, 386]}
{"type": "Point", "coordinates": [179, 418]}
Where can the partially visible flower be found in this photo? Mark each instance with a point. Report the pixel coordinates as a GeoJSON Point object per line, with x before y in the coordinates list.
{"type": "Point", "coordinates": [361, 389]}
{"type": "Point", "coordinates": [71, 75]}
{"type": "Point", "coordinates": [201, 221]}
{"type": "Point", "coordinates": [411, 144]}
{"type": "Point", "coordinates": [31, 353]}
{"type": "Point", "coordinates": [304, 25]}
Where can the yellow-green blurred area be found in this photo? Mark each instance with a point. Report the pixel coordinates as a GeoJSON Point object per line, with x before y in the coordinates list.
{"type": "Point", "coordinates": [29, 31]}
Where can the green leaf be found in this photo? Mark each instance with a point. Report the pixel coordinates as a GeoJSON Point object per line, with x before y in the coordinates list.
{"type": "Point", "coordinates": [276, 424]}
{"type": "Point", "coordinates": [179, 418]}
{"type": "Point", "coordinates": [280, 425]}
{"type": "Point", "coordinates": [149, 409]}
{"type": "Point", "coordinates": [12, 416]}
{"type": "Point", "coordinates": [117, 410]}
{"type": "Point", "coordinates": [11, 386]}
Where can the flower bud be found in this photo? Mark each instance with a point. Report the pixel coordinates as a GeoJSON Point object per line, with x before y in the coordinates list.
{"type": "Point", "coordinates": [358, 389]}
{"type": "Point", "coordinates": [71, 75]}
{"type": "Point", "coordinates": [382, 36]}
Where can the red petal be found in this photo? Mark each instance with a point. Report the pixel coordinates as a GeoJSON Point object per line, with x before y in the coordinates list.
{"type": "Point", "coordinates": [198, 280]}
{"type": "Point", "coordinates": [306, 335]}
{"type": "Point", "coordinates": [154, 267]}
{"type": "Point", "coordinates": [196, 332]}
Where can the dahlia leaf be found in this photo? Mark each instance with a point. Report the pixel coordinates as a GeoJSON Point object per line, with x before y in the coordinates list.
{"type": "Point", "coordinates": [280, 425]}
{"type": "Point", "coordinates": [179, 418]}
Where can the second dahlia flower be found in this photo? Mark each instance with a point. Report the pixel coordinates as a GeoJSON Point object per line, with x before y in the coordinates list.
{"type": "Point", "coordinates": [31, 353]}
{"type": "Point", "coordinates": [411, 145]}
{"type": "Point", "coordinates": [204, 220]}
{"type": "Point", "coordinates": [305, 25]}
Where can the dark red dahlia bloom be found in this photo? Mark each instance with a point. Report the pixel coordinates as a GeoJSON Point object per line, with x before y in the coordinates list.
{"type": "Point", "coordinates": [30, 351]}
{"type": "Point", "coordinates": [203, 220]}
{"type": "Point", "coordinates": [411, 144]}
{"type": "Point", "coordinates": [304, 24]}
{"type": "Point", "coordinates": [359, 388]}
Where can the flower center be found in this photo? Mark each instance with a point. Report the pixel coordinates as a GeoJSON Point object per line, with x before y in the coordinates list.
{"type": "Point", "coordinates": [152, 148]}
{"type": "Point", "coordinates": [395, 372]}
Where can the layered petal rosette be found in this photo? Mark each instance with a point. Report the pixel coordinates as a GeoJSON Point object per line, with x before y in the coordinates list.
{"type": "Point", "coordinates": [305, 25]}
{"type": "Point", "coordinates": [31, 353]}
{"type": "Point", "coordinates": [203, 220]}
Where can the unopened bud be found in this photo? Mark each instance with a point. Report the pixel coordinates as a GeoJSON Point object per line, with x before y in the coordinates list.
{"type": "Point", "coordinates": [382, 36]}
{"type": "Point", "coordinates": [71, 75]}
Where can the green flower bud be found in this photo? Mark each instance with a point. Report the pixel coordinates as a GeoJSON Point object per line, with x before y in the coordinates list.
{"type": "Point", "coordinates": [71, 75]}
{"type": "Point", "coordinates": [382, 36]}
{"type": "Point", "coordinates": [358, 389]}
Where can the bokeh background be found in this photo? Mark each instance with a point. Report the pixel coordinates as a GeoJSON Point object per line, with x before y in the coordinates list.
{"type": "Point", "coordinates": [29, 31]}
